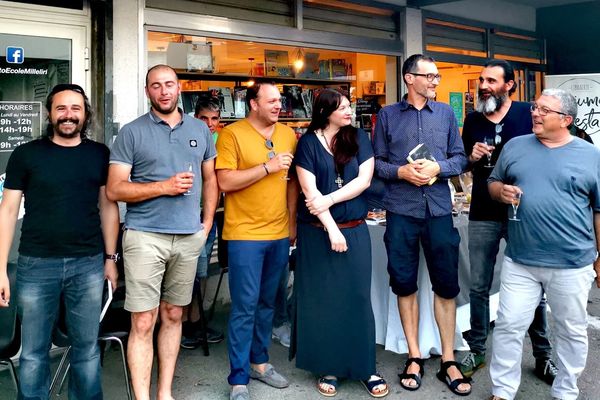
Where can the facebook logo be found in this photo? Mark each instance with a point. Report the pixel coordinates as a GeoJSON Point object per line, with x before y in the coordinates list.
{"type": "Point", "coordinates": [15, 55]}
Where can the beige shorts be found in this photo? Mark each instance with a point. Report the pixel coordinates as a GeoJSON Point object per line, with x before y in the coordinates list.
{"type": "Point", "coordinates": [159, 266]}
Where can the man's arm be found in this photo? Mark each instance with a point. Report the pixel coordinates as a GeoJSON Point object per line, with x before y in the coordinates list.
{"type": "Point", "coordinates": [119, 188]}
{"type": "Point", "coordinates": [456, 160]}
{"type": "Point", "coordinates": [9, 211]}
{"type": "Point", "coordinates": [597, 231]}
{"type": "Point", "coordinates": [232, 180]}
{"type": "Point", "coordinates": [210, 194]}
{"type": "Point", "coordinates": [109, 222]}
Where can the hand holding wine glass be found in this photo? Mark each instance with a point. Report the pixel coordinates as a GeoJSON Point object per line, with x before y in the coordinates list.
{"type": "Point", "coordinates": [515, 202]}
{"type": "Point", "coordinates": [490, 143]}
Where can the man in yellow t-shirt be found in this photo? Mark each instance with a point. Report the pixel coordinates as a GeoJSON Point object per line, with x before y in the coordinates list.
{"type": "Point", "coordinates": [254, 156]}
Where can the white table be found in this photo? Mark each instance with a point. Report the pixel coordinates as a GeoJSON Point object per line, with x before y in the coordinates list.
{"type": "Point", "coordinates": [388, 327]}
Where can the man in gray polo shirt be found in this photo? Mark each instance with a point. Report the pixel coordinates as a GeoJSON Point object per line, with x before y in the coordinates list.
{"type": "Point", "coordinates": [159, 165]}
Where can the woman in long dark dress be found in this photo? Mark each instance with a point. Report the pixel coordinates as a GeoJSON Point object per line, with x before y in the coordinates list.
{"type": "Point", "coordinates": [334, 329]}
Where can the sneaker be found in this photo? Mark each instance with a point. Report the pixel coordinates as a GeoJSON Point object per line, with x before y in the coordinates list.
{"type": "Point", "coordinates": [190, 342]}
{"type": "Point", "coordinates": [213, 336]}
{"type": "Point", "coordinates": [471, 363]}
{"type": "Point", "coordinates": [546, 370]}
{"type": "Point", "coordinates": [282, 333]}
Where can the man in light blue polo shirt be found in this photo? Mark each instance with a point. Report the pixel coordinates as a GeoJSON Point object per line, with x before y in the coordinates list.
{"type": "Point", "coordinates": [159, 165]}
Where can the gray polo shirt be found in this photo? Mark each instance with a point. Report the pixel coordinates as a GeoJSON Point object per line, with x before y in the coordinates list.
{"type": "Point", "coordinates": [155, 152]}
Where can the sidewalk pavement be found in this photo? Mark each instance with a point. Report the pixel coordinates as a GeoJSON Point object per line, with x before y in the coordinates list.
{"type": "Point", "coordinates": [198, 377]}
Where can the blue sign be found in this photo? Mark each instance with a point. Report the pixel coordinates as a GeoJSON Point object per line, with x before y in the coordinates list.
{"type": "Point", "coordinates": [15, 55]}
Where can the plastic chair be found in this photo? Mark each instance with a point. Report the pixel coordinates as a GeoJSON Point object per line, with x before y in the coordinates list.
{"type": "Point", "coordinates": [10, 334]}
{"type": "Point", "coordinates": [61, 339]}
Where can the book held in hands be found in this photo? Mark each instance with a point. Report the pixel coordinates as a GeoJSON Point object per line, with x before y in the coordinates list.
{"type": "Point", "coordinates": [421, 152]}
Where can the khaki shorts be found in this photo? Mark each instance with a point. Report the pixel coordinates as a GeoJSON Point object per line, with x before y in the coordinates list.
{"type": "Point", "coordinates": [159, 266]}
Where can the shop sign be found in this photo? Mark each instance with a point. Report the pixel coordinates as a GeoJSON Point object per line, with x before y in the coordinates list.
{"type": "Point", "coordinates": [586, 89]}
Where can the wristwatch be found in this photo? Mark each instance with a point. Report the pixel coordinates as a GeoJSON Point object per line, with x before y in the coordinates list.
{"type": "Point", "coordinates": [115, 257]}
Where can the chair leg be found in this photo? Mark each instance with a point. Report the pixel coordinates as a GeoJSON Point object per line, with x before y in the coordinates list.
{"type": "Point", "coordinates": [64, 378]}
{"type": "Point", "coordinates": [211, 312]}
{"type": "Point", "coordinates": [123, 360]}
{"type": "Point", "coordinates": [203, 322]}
{"type": "Point", "coordinates": [59, 369]}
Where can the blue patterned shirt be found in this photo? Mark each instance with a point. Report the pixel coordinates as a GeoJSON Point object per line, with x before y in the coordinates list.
{"type": "Point", "coordinates": [399, 128]}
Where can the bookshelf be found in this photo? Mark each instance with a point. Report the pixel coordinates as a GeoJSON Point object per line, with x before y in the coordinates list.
{"type": "Point", "coordinates": [297, 94]}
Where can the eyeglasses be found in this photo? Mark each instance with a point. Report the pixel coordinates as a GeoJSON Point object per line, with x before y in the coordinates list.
{"type": "Point", "coordinates": [269, 145]}
{"type": "Point", "coordinates": [543, 111]}
{"type": "Point", "coordinates": [430, 77]}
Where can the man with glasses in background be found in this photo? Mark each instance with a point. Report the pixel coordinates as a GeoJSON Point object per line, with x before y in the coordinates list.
{"type": "Point", "coordinates": [552, 247]}
{"type": "Point", "coordinates": [498, 119]}
{"type": "Point", "coordinates": [419, 212]}
{"type": "Point", "coordinates": [254, 155]}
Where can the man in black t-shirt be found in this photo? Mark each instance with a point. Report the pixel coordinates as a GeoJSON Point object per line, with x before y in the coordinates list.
{"type": "Point", "coordinates": [68, 227]}
{"type": "Point", "coordinates": [497, 119]}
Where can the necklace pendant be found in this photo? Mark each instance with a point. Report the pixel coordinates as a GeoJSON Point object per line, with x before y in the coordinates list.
{"type": "Point", "coordinates": [339, 181]}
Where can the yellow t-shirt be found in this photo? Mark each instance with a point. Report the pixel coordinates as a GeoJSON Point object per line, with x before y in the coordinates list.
{"type": "Point", "coordinates": [258, 212]}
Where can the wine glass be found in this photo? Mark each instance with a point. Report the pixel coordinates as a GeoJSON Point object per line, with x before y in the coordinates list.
{"type": "Point", "coordinates": [489, 141]}
{"type": "Point", "coordinates": [286, 171]}
{"type": "Point", "coordinates": [189, 167]}
{"type": "Point", "coordinates": [516, 201]}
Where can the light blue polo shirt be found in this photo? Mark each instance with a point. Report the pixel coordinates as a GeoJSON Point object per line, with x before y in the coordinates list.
{"type": "Point", "coordinates": [155, 152]}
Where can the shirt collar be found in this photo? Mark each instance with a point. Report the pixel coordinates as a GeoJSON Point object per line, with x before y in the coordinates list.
{"type": "Point", "coordinates": [405, 105]}
{"type": "Point", "coordinates": [157, 120]}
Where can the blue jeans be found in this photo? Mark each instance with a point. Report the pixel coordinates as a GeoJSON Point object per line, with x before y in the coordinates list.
{"type": "Point", "coordinates": [484, 244]}
{"type": "Point", "coordinates": [42, 283]}
{"type": "Point", "coordinates": [255, 269]}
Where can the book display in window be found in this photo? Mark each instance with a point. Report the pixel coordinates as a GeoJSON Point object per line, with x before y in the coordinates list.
{"type": "Point", "coordinates": [239, 102]}
{"type": "Point", "coordinates": [225, 101]}
{"type": "Point", "coordinates": [293, 95]}
{"type": "Point", "coordinates": [277, 63]}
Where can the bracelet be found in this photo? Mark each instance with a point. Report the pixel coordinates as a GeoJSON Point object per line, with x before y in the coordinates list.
{"type": "Point", "coordinates": [265, 167]}
{"type": "Point", "coordinates": [331, 198]}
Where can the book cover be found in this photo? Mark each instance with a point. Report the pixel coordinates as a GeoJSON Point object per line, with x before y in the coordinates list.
{"type": "Point", "coordinates": [189, 99]}
{"type": "Point", "coordinates": [421, 152]}
{"type": "Point", "coordinates": [311, 66]}
{"type": "Point", "coordinates": [293, 93]}
{"type": "Point", "coordinates": [277, 63]}
{"type": "Point", "coordinates": [307, 102]}
{"type": "Point", "coordinates": [225, 101]}
{"type": "Point", "coordinates": [338, 68]}
{"type": "Point", "coordinates": [239, 102]}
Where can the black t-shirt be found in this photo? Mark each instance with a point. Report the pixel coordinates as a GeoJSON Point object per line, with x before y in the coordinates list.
{"type": "Point", "coordinates": [312, 156]}
{"type": "Point", "coordinates": [61, 187]}
{"type": "Point", "coordinates": [516, 122]}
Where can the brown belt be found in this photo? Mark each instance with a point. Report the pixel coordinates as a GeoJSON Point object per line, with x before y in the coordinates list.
{"type": "Point", "coordinates": [342, 225]}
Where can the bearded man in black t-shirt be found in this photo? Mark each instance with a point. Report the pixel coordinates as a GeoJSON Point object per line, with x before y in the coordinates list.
{"type": "Point", "coordinates": [497, 119]}
{"type": "Point", "coordinates": [68, 227]}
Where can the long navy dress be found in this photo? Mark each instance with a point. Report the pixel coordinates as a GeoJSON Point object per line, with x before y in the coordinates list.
{"type": "Point", "coordinates": [334, 328]}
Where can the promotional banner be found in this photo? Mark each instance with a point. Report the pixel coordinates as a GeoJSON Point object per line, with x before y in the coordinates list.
{"type": "Point", "coordinates": [586, 89]}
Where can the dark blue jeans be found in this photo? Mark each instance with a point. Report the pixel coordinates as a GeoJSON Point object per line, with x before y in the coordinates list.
{"type": "Point", "coordinates": [484, 244]}
{"type": "Point", "coordinates": [255, 269]}
{"type": "Point", "coordinates": [41, 284]}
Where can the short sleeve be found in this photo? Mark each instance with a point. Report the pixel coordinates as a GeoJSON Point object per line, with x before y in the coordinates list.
{"type": "Point", "coordinates": [16, 170]}
{"type": "Point", "coordinates": [211, 151]}
{"type": "Point", "coordinates": [121, 151]}
{"type": "Point", "coordinates": [499, 172]}
{"type": "Point", "coordinates": [305, 153]}
{"type": "Point", "coordinates": [365, 148]}
{"type": "Point", "coordinates": [227, 151]}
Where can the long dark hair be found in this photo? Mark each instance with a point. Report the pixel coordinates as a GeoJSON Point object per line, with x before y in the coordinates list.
{"type": "Point", "coordinates": [344, 144]}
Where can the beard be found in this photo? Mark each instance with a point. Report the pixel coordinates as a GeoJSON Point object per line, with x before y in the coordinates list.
{"type": "Point", "coordinates": [491, 104]}
{"type": "Point", "coordinates": [164, 109]}
{"type": "Point", "coordinates": [65, 133]}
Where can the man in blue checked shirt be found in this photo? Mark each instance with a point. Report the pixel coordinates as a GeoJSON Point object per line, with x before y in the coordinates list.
{"type": "Point", "coordinates": [419, 211]}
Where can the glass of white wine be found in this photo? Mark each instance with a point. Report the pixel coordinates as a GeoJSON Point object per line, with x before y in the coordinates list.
{"type": "Point", "coordinates": [516, 201]}
{"type": "Point", "coordinates": [189, 167]}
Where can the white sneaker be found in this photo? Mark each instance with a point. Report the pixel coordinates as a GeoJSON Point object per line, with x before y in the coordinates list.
{"type": "Point", "coordinates": [282, 333]}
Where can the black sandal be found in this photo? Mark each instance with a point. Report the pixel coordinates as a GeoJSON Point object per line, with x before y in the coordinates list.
{"type": "Point", "coordinates": [443, 376]}
{"type": "Point", "coordinates": [416, 377]}
{"type": "Point", "coordinates": [371, 383]}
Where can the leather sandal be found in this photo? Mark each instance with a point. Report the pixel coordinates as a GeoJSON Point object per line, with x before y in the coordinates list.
{"type": "Point", "coordinates": [443, 376]}
{"type": "Point", "coordinates": [327, 381]}
{"type": "Point", "coordinates": [371, 383]}
{"type": "Point", "coordinates": [416, 377]}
